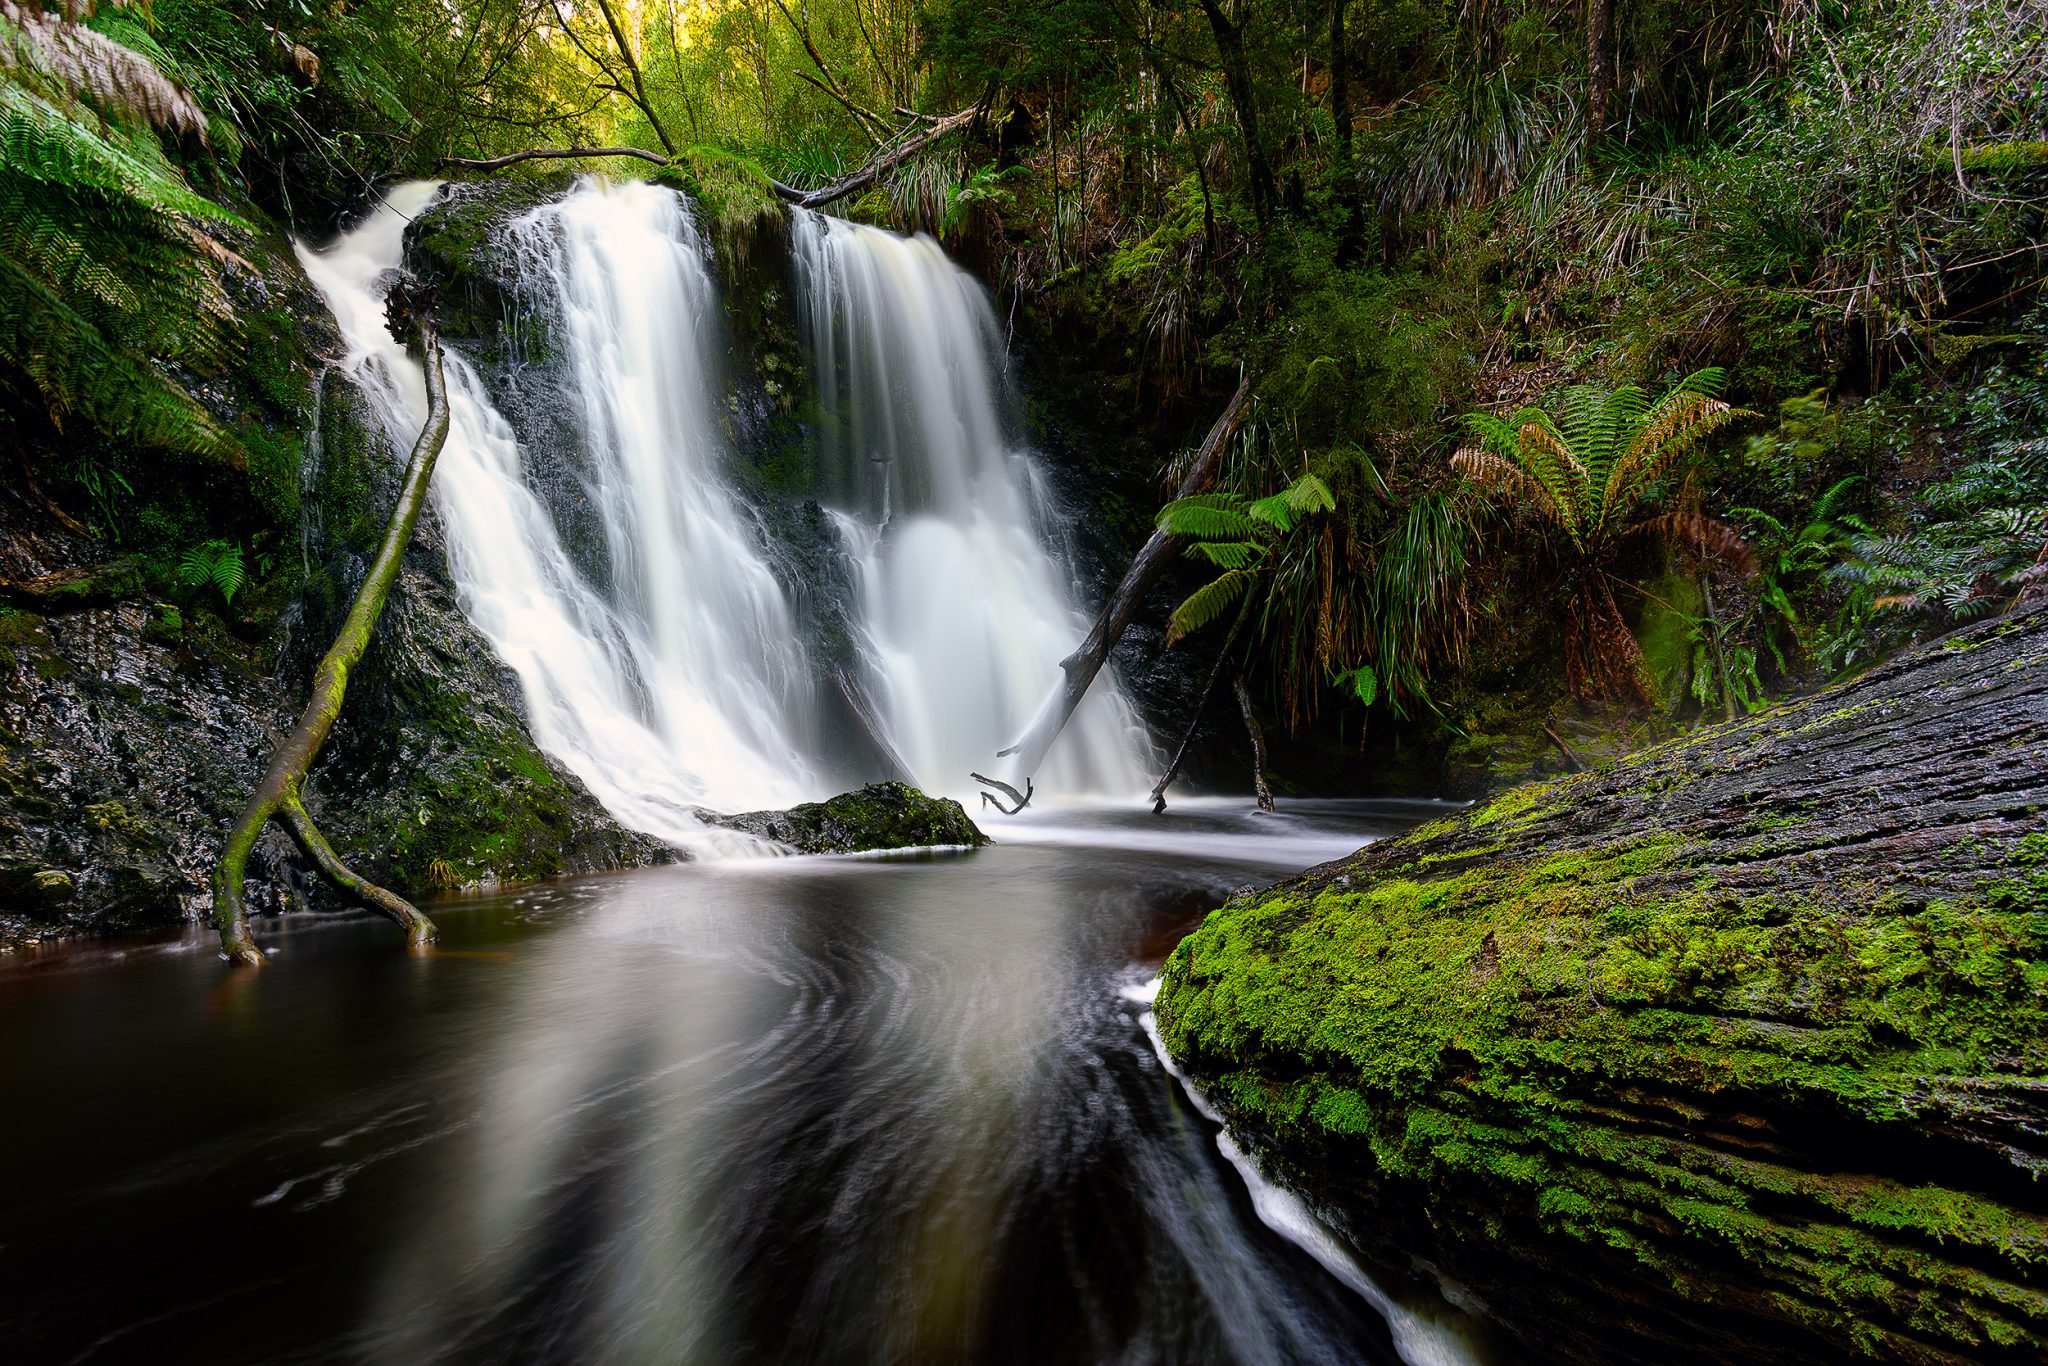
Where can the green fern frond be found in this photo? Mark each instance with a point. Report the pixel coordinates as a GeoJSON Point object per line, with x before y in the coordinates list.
{"type": "Point", "coordinates": [215, 563]}
{"type": "Point", "coordinates": [1207, 603]}
{"type": "Point", "coordinates": [1227, 554]}
{"type": "Point", "coordinates": [1208, 516]}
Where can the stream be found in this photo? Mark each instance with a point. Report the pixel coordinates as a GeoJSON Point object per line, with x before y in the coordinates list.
{"type": "Point", "coordinates": [860, 1109]}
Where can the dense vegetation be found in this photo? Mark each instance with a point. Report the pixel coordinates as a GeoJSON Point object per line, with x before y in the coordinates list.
{"type": "Point", "coordinates": [1411, 222]}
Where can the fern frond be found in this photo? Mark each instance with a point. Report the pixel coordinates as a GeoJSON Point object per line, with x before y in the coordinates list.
{"type": "Point", "coordinates": [1208, 516]}
{"type": "Point", "coordinates": [1227, 554]}
{"type": "Point", "coordinates": [1207, 603]}
{"type": "Point", "coordinates": [118, 81]}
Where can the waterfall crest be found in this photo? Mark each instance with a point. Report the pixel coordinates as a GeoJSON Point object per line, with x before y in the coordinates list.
{"type": "Point", "coordinates": [674, 677]}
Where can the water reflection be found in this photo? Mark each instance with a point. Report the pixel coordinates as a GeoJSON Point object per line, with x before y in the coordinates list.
{"type": "Point", "coordinates": [809, 1110]}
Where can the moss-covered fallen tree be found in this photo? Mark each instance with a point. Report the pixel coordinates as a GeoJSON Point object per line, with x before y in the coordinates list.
{"type": "Point", "coordinates": [1734, 1051]}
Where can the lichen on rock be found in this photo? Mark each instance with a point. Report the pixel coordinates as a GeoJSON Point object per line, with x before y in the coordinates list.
{"type": "Point", "coordinates": [1733, 1051]}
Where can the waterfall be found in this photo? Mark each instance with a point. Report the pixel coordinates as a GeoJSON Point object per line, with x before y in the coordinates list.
{"type": "Point", "coordinates": [672, 677]}
{"type": "Point", "coordinates": [965, 612]}
{"type": "Point", "coordinates": [681, 685]}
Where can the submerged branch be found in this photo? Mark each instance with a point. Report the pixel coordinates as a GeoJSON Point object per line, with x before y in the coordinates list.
{"type": "Point", "coordinates": [1022, 799]}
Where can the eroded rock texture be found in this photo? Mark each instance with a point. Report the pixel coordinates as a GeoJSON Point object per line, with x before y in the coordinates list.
{"type": "Point", "coordinates": [1736, 1051]}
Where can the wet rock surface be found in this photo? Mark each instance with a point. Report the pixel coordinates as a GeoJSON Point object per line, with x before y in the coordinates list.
{"type": "Point", "coordinates": [878, 816]}
{"type": "Point", "coordinates": [1731, 1051]}
{"type": "Point", "coordinates": [138, 709]}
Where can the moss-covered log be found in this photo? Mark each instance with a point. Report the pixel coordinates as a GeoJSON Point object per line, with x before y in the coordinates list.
{"type": "Point", "coordinates": [278, 793]}
{"type": "Point", "coordinates": [1735, 1051]}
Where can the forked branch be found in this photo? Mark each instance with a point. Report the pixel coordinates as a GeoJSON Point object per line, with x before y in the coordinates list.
{"type": "Point", "coordinates": [279, 796]}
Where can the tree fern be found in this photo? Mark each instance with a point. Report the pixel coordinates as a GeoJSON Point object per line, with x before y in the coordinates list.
{"type": "Point", "coordinates": [105, 274]}
{"type": "Point", "coordinates": [1585, 467]}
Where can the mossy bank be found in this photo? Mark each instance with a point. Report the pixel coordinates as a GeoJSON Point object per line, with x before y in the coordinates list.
{"type": "Point", "coordinates": [1734, 1051]}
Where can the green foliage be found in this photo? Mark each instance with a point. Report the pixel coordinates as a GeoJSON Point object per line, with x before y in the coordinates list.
{"type": "Point", "coordinates": [1976, 537]}
{"type": "Point", "coordinates": [216, 564]}
{"type": "Point", "coordinates": [1242, 536]}
{"type": "Point", "coordinates": [1587, 468]}
{"type": "Point", "coordinates": [106, 273]}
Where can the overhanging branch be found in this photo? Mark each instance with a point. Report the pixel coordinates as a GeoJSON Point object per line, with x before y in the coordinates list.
{"type": "Point", "coordinates": [899, 150]}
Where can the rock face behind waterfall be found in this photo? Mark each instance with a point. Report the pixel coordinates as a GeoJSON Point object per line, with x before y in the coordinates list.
{"type": "Point", "coordinates": [136, 714]}
{"type": "Point", "coordinates": [1734, 1052]}
{"type": "Point", "coordinates": [878, 816]}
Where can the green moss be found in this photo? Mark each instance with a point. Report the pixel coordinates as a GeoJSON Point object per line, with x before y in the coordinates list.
{"type": "Point", "coordinates": [1497, 1034]}
{"type": "Point", "coordinates": [733, 196]}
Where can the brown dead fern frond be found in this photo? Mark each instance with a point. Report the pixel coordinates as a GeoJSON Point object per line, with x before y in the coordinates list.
{"type": "Point", "coordinates": [92, 67]}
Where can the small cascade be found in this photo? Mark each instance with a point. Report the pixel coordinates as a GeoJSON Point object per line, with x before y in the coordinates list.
{"type": "Point", "coordinates": [965, 612]}
{"type": "Point", "coordinates": [681, 684]}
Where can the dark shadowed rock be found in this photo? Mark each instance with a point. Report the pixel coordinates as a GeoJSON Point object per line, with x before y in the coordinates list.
{"type": "Point", "coordinates": [1734, 1051]}
{"type": "Point", "coordinates": [878, 816]}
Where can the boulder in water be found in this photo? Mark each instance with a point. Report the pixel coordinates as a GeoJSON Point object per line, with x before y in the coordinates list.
{"type": "Point", "coordinates": [878, 816]}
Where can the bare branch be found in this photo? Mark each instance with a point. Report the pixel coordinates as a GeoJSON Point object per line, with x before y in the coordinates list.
{"type": "Point", "coordinates": [551, 154]}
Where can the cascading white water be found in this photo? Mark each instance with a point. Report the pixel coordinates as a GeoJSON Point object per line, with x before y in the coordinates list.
{"type": "Point", "coordinates": [680, 683]}
{"type": "Point", "coordinates": [683, 685]}
{"type": "Point", "coordinates": [965, 613]}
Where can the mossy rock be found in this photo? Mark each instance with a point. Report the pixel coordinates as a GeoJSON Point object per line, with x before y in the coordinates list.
{"type": "Point", "coordinates": [1732, 1052]}
{"type": "Point", "coordinates": [878, 816]}
{"type": "Point", "coordinates": [735, 201]}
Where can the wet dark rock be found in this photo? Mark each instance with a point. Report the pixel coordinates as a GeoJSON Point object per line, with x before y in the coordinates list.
{"type": "Point", "coordinates": [878, 816]}
{"type": "Point", "coordinates": [1728, 1051]}
{"type": "Point", "coordinates": [136, 710]}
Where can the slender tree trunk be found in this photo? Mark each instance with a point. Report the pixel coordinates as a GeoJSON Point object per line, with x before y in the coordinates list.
{"type": "Point", "coordinates": [1147, 565]}
{"type": "Point", "coordinates": [1599, 66]}
{"type": "Point", "coordinates": [638, 94]}
{"type": "Point", "coordinates": [1187, 737]}
{"type": "Point", "coordinates": [1237, 75]}
{"type": "Point", "coordinates": [1260, 790]}
{"type": "Point", "coordinates": [1351, 226]}
{"type": "Point", "coordinates": [1714, 640]}
{"type": "Point", "coordinates": [278, 796]}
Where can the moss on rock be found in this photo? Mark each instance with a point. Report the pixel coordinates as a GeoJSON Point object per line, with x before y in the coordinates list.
{"type": "Point", "coordinates": [878, 816]}
{"type": "Point", "coordinates": [1732, 1052]}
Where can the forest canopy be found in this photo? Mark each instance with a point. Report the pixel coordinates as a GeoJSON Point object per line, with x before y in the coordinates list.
{"type": "Point", "coordinates": [1393, 214]}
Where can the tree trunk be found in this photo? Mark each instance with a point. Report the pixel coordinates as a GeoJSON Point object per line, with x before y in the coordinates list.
{"type": "Point", "coordinates": [1150, 562]}
{"type": "Point", "coordinates": [1599, 66]}
{"type": "Point", "coordinates": [1720, 657]}
{"type": "Point", "coordinates": [1237, 76]}
{"type": "Point", "coordinates": [278, 796]}
{"type": "Point", "coordinates": [1263, 793]}
{"type": "Point", "coordinates": [1351, 224]}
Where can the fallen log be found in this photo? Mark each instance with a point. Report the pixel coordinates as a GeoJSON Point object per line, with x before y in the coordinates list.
{"type": "Point", "coordinates": [1732, 1050]}
{"type": "Point", "coordinates": [279, 795]}
{"type": "Point", "coordinates": [1080, 667]}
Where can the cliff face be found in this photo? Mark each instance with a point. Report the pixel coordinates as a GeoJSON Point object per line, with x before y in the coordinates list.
{"type": "Point", "coordinates": [1734, 1051]}
{"type": "Point", "coordinates": [137, 709]}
